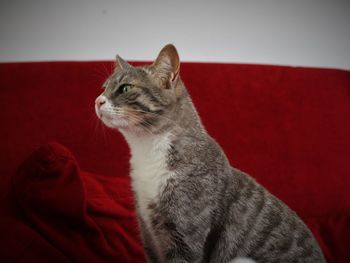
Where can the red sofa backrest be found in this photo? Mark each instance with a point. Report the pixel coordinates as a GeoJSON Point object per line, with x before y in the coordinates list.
{"type": "Point", "coordinates": [287, 127]}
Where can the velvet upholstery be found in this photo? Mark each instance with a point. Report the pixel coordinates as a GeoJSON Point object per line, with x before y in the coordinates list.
{"type": "Point", "coordinates": [288, 127]}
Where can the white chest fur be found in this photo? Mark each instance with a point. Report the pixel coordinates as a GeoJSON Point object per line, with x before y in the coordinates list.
{"type": "Point", "coordinates": [149, 172]}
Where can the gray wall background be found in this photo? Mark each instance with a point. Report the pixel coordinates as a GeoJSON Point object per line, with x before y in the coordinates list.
{"type": "Point", "coordinates": [295, 32]}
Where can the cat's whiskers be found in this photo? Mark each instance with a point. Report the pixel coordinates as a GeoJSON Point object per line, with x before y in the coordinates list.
{"type": "Point", "coordinates": [100, 72]}
{"type": "Point", "coordinates": [138, 120]}
{"type": "Point", "coordinates": [111, 66]}
{"type": "Point", "coordinates": [127, 115]}
{"type": "Point", "coordinates": [97, 128]}
{"type": "Point", "coordinates": [108, 72]}
{"type": "Point", "coordinates": [103, 129]}
{"type": "Point", "coordinates": [113, 111]}
{"type": "Point", "coordinates": [158, 116]}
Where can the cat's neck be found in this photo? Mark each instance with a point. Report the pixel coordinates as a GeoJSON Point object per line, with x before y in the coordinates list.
{"type": "Point", "coordinates": [146, 145]}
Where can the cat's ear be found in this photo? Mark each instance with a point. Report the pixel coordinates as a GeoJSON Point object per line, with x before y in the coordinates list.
{"type": "Point", "coordinates": [121, 63]}
{"type": "Point", "coordinates": [167, 65]}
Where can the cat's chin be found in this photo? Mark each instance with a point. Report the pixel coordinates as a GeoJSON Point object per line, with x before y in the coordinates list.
{"type": "Point", "coordinates": [114, 123]}
{"type": "Point", "coordinates": [123, 125]}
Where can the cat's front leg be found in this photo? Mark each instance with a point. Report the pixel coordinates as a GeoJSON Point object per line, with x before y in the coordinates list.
{"type": "Point", "coordinates": [181, 230]}
{"type": "Point", "coordinates": [181, 244]}
{"type": "Point", "coordinates": [168, 243]}
{"type": "Point", "coordinates": [148, 243]}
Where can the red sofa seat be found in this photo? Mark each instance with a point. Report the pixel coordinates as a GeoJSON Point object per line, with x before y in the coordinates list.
{"type": "Point", "coordinates": [287, 127]}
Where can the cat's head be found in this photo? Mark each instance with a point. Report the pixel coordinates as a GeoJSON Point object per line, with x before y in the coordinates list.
{"type": "Point", "coordinates": [140, 98]}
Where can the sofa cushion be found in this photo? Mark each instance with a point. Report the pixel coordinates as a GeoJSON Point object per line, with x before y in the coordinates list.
{"type": "Point", "coordinates": [88, 217]}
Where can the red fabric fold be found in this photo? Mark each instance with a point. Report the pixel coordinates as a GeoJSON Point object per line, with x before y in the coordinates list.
{"type": "Point", "coordinates": [81, 217]}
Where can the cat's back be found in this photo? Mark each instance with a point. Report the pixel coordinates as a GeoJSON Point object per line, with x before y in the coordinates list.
{"type": "Point", "coordinates": [246, 220]}
{"type": "Point", "coordinates": [256, 224]}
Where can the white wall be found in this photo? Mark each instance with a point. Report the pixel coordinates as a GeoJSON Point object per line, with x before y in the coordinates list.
{"type": "Point", "coordinates": [295, 32]}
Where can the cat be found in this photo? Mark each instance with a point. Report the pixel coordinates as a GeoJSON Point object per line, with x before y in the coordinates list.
{"type": "Point", "coordinates": [192, 206]}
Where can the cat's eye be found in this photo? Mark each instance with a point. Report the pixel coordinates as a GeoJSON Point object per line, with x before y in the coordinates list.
{"type": "Point", "coordinates": [125, 88]}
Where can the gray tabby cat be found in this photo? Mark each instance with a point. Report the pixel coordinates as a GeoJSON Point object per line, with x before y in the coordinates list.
{"type": "Point", "coordinates": [192, 205]}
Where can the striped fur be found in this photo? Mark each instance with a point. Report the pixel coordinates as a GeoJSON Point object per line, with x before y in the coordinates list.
{"type": "Point", "coordinates": [192, 205]}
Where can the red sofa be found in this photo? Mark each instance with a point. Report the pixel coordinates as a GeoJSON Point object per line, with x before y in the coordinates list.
{"type": "Point", "coordinates": [288, 127]}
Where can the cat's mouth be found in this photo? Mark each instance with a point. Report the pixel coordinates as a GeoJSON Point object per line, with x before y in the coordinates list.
{"type": "Point", "coordinates": [120, 118]}
{"type": "Point", "coordinates": [112, 120]}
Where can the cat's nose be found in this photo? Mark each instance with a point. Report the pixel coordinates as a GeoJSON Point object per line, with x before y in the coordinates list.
{"type": "Point", "coordinates": [100, 100]}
